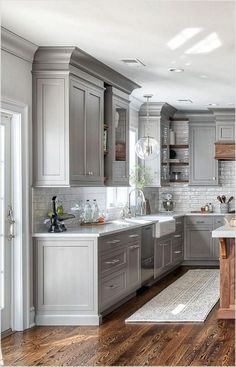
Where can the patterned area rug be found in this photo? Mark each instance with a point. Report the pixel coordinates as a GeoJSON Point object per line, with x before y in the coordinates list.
{"type": "Point", "coordinates": [189, 299]}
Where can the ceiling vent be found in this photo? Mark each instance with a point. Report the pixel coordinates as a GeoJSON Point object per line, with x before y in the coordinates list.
{"type": "Point", "coordinates": [185, 100]}
{"type": "Point", "coordinates": [133, 62]}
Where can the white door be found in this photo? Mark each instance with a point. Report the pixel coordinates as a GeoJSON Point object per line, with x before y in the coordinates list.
{"type": "Point", "coordinates": [6, 227]}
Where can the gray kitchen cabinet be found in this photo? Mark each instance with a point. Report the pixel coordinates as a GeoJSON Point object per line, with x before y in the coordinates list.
{"type": "Point", "coordinates": [68, 110]}
{"type": "Point", "coordinates": [199, 244]}
{"type": "Point", "coordinates": [86, 130]}
{"type": "Point", "coordinates": [203, 166]}
{"type": "Point", "coordinates": [158, 127]}
{"type": "Point", "coordinates": [119, 270]}
{"type": "Point", "coordinates": [68, 128]}
{"type": "Point", "coordinates": [225, 131]}
{"type": "Point", "coordinates": [116, 160]}
{"type": "Point", "coordinates": [169, 250]}
{"type": "Point", "coordinates": [134, 265]}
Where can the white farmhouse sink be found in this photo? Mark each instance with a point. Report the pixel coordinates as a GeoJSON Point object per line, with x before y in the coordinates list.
{"type": "Point", "coordinates": [162, 225]}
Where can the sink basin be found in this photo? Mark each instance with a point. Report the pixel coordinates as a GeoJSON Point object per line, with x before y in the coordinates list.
{"type": "Point", "coordinates": [164, 224]}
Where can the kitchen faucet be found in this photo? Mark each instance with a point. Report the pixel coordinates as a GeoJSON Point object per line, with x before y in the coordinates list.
{"type": "Point", "coordinates": [143, 203]}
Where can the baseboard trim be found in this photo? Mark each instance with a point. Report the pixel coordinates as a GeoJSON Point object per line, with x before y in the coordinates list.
{"type": "Point", "coordinates": [32, 317]}
{"type": "Point", "coordinates": [67, 320]}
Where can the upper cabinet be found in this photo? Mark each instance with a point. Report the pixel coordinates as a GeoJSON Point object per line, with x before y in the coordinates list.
{"type": "Point", "coordinates": [116, 156]}
{"type": "Point", "coordinates": [203, 166]}
{"type": "Point", "coordinates": [225, 133]}
{"type": "Point", "coordinates": [158, 127]}
{"type": "Point", "coordinates": [68, 119]}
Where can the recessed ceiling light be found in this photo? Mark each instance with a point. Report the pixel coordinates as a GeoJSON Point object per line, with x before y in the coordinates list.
{"type": "Point", "coordinates": [176, 70]}
{"type": "Point", "coordinates": [188, 63]}
{"type": "Point", "coordinates": [203, 76]}
{"type": "Point", "coordinates": [230, 104]}
{"type": "Point", "coordinates": [213, 104]}
{"type": "Point", "coordinates": [133, 62]}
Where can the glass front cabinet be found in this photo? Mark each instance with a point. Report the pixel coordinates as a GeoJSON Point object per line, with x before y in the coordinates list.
{"type": "Point", "coordinates": [116, 129]}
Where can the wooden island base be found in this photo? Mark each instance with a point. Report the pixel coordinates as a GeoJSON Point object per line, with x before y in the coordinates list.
{"type": "Point", "coordinates": [227, 278]}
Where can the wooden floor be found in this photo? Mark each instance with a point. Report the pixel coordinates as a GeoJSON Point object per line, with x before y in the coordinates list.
{"type": "Point", "coordinates": [115, 343]}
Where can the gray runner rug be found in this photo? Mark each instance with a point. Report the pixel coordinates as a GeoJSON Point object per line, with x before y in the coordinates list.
{"type": "Point", "coordinates": [189, 299]}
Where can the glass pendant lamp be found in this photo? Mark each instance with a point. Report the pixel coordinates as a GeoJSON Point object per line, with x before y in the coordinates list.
{"type": "Point", "coordinates": [147, 147]}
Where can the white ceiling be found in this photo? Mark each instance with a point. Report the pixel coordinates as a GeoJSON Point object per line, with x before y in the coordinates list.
{"type": "Point", "coordinates": [111, 30]}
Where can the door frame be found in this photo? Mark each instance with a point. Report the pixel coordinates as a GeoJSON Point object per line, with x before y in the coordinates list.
{"type": "Point", "coordinates": [22, 312]}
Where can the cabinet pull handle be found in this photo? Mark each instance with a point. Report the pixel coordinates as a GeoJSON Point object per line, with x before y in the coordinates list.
{"type": "Point", "coordinates": [133, 247]}
{"type": "Point", "coordinates": [177, 235]}
{"type": "Point", "coordinates": [164, 244]}
{"type": "Point", "coordinates": [200, 221]}
{"type": "Point", "coordinates": [214, 178]}
{"type": "Point", "coordinates": [113, 262]}
{"type": "Point", "coordinates": [133, 235]}
{"type": "Point", "coordinates": [113, 241]}
{"type": "Point", "coordinates": [112, 286]}
{"type": "Point", "coordinates": [177, 252]}
{"type": "Point", "coordinates": [178, 222]}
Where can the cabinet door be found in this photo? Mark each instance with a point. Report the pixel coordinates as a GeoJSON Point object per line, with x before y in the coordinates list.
{"type": "Point", "coordinates": [94, 129]}
{"type": "Point", "coordinates": [158, 259]}
{"type": "Point", "coordinates": [51, 151]}
{"type": "Point", "coordinates": [152, 167]}
{"type": "Point", "coordinates": [225, 131]}
{"type": "Point", "coordinates": [121, 146]}
{"type": "Point", "coordinates": [199, 244]}
{"type": "Point", "coordinates": [203, 166]}
{"type": "Point", "coordinates": [134, 266]}
{"type": "Point", "coordinates": [77, 132]}
{"type": "Point", "coordinates": [167, 252]}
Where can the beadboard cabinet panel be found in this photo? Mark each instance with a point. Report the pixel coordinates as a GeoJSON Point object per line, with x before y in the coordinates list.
{"type": "Point", "coordinates": [51, 132]}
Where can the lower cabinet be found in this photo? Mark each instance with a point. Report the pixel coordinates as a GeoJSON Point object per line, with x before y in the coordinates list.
{"type": "Point", "coordinates": [169, 250]}
{"type": "Point", "coordinates": [119, 271]}
{"type": "Point", "coordinates": [199, 244]}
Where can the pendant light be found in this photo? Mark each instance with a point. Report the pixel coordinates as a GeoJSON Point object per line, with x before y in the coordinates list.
{"type": "Point", "coordinates": [147, 147]}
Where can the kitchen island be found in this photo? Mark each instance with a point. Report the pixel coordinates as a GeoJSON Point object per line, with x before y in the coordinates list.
{"type": "Point", "coordinates": [226, 235]}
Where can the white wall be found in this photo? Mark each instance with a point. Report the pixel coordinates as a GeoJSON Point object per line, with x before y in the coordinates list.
{"type": "Point", "coordinates": [16, 87]}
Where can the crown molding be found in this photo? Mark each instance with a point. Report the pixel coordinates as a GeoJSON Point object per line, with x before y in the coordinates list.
{"type": "Point", "coordinates": [17, 46]}
{"type": "Point", "coordinates": [135, 103]}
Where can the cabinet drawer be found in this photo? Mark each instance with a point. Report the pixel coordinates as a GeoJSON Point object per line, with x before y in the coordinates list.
{"type": "Point", "coordinates": [113, 261]}
{"type": "Point", "coordinates": [112, 242]}
{"type": "Point", "coordinates": [179, 222]}
{"type": "Point", "coordinates": [199, 220]}
{"type": "Point", "coordinates": [177, 237]}
{"type": "Point", "coordinates": [177, 252]}
{"type": "Point", "coordinates": [219, 221]}
{"type": "Point", "coordinates": [113, 287]}
{"type": "Point", "coordinates": [133, 236]}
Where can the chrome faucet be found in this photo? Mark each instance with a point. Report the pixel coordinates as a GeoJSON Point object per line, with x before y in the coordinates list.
{"type": "Point", "coordinates": [143, 204]}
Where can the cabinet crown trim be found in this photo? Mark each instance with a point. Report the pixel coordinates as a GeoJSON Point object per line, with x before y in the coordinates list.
{"type": "Point", "coordinates": [60, 58]}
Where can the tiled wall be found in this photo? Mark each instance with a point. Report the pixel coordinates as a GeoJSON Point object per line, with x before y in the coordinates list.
{"type": "Point", "coordinates": [189, 198]}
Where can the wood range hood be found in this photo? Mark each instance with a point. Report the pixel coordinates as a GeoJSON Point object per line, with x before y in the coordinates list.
{"type": "Point", "coordinates": [225, 151]}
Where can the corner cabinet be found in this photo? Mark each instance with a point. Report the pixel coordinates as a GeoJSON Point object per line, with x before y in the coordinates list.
{"type": "Point", "coordinates": [68, 128]}
{"type": "Point", "coordinates": [116, 159]}
{"type": "Point", "coordinates": [203, 166]}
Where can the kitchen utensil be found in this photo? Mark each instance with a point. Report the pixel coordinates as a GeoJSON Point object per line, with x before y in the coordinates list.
{"type": "Point", "coordinates": [230, 199]}
{"type": "Point", "coordinates": [219, 198]}
{"type": "Point", "coordinates": [224, 199]}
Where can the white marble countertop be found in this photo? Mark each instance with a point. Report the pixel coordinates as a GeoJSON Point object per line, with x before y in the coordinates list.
{"type": "Point", "coordinates": [225, 231]}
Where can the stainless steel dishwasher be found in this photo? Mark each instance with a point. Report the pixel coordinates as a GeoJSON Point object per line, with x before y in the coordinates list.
{"type": "Point", "coordinates": [147, 254]}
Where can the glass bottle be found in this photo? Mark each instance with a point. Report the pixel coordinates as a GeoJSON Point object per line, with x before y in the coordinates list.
{"type": "Point", "coordinates": [95, 211]}
{"type": "Point", "coordinates": [87, 212]}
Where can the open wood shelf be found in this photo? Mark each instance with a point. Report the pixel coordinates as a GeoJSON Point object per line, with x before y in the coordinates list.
{"type": "Point", "coordinates": [177, 181]}
{"type": "Point", "coordinates": [180, 146]}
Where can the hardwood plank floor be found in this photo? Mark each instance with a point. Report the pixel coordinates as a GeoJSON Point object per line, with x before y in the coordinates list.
{"type": "Point", "coordinates": [116, 343]}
